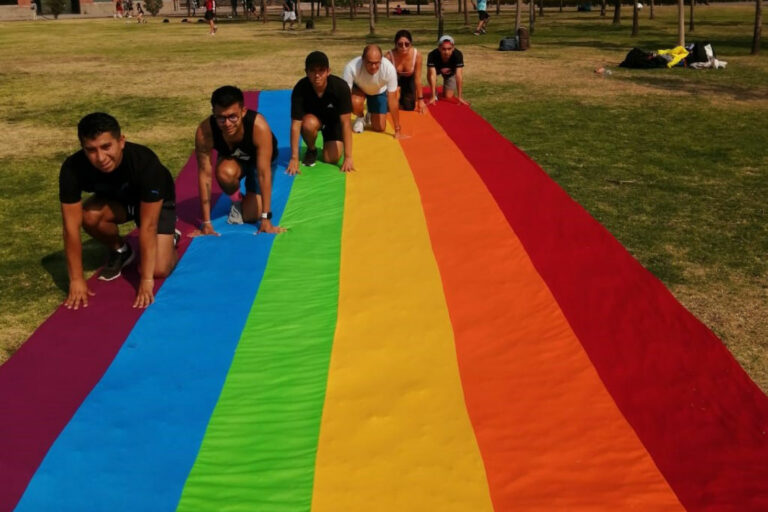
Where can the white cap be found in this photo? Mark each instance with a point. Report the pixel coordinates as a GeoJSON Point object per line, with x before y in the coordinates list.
{"type": "Point", "coordinates": [446, 38]}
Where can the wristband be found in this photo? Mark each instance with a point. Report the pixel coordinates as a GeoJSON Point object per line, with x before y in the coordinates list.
{"type": "Point", "coordinates": [206, 222]}
{"type": "Point", "coordinates": [420, 98]}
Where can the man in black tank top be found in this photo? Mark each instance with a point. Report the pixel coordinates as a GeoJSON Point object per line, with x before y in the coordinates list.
{"type": "Point", "coordinates": [247, 148]}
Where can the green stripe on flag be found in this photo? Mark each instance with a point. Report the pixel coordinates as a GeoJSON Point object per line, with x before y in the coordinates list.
{"type": "Point", "coordinates": [259, 450]}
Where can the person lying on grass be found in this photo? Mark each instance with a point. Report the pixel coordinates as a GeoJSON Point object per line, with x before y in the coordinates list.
{"type": "Point", "coordinates": [247, 149]}
{"type": "Point", "coordinates": [128, 182]}
{"type": "Point", "coordinates": [321, 103]}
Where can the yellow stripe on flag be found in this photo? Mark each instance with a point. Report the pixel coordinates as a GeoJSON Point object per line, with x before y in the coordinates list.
{"type": "Point", "coordinates": [395, 433]}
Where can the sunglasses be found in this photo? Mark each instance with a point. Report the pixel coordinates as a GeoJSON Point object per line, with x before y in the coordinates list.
{"type": "Point", "coordinates": [232, 118]}
{"type": "Point", "coordinates": [403, 44]}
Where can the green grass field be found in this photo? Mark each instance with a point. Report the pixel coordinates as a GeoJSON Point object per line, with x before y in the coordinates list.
{"type": "Point", "coordinates": [672, 162]}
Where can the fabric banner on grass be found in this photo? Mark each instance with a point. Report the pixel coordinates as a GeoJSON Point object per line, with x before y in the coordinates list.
{"type": "Point", "coordinates": [441, 329]}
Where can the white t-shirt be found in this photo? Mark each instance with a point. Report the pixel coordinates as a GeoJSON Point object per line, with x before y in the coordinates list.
{"type": "Point", "coordinates": [385, 78]}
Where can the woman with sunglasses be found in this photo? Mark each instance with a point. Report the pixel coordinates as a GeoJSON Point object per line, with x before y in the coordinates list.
{"type": "Point", "coordinates": [407, 61]}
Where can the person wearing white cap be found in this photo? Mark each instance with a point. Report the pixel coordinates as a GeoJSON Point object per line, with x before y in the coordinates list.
{"type": "Point", "coordinates": [373, 80]}
{"type": "Point", "coordinates": [449, 62]}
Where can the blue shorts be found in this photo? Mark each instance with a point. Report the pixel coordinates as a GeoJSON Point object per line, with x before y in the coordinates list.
{"type": "Point", "coordinates": [377, 104]}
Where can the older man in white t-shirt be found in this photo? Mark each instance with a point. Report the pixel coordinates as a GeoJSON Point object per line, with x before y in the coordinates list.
{"type": "Point", "coordinates": [373, 79]}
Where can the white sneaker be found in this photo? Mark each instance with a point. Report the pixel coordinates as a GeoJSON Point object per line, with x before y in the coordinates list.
{"type": "Point", "coordinates": [359, 125]}
{"type": "Point", "coordinates": [235, 213]}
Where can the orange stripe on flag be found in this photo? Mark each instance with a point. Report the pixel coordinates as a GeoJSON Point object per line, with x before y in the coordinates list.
{"type": "Point", "coordinates": [550, 435]}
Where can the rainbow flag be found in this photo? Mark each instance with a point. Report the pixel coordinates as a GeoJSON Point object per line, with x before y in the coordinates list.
{"type": "Point", "coordinates": [442, 329]}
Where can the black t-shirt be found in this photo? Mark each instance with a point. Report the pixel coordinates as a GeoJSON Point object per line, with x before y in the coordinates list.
{"type": "Point", "coordinates": [244, 151]}
{"type": "Point", "coordinates": [139, 177]}
{"type": "Point", "coordinates": [335, 101]}
{"type": "Point", "coordinates": [447, 69]}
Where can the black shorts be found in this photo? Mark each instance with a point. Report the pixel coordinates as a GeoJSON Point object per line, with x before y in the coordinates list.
{"type": "Point", "coordinates": [209, 15]}
{"type": "Point", "coordinates": [332, 131]}
{"type": "Point", "coordinates": [407, 86]}
{"type": "Point", "coordinates": [166, 224]}
{"type": "Point", "coordinates": [483, 15]}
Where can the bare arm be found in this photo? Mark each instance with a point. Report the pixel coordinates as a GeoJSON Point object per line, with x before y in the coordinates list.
{"type": "Point", "coordinates": [459, 85]}
{"type": "Point", "coordinates": [417, 82]}
{"type": "Point", "coordinates": [149, 214]}
{"type": "Point", "coordinates": [203, 149]}
{"type": "Point", "coordinates": [293, 164]}
{"type": "Point", "coordinates": [262, 139]}
{"type": "Point", "coordinates": [394, 110]}
{"type": "Point", "coordinates": [346, 130]}
{"type": "Point", "coordinates": [72, 219]}
{"type": "Point", "coordinates": [432, 80]}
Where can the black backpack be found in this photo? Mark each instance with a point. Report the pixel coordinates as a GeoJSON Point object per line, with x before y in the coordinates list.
{"type": "Point", "coordinates": [508, 44]}
{"type": "Point", "coordinates": [699, 52]}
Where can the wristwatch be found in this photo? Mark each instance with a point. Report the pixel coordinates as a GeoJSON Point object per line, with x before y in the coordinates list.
{"type": "Point", "coordinates": [266, 215]}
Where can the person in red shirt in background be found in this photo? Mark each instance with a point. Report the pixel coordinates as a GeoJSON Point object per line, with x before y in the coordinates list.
{"type": "Point", "coordinates": [210, 14]}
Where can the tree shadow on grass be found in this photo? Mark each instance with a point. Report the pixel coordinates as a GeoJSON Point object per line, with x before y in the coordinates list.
{"type": "Point", "coordinates": [724, 90]}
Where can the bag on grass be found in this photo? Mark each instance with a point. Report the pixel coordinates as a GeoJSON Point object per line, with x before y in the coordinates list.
{"type": "Point", "coordinates": [508, 44]}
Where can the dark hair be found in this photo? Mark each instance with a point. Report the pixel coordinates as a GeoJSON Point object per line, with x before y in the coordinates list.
{"type": "Point", "coordinates": [403, 33]}
{"type": "Point", "coordinates": [226, 96]}
{"type": "Point", "coordinates": [370, 47]}
{"type": "Point", "coordinates": [316, 59]}
{"type": "Point", "coordinates": [93, 125]}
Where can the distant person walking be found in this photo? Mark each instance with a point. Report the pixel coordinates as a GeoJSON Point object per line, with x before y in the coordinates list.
{"type": "Point", "coordinates": [483, 16]}
{"type": "Point", "coordinates": [118, 8]}
{"type": "Point", "coordinates": [210, 15]}
{"type": "Point", "coordinates": [289, 13]}
{"type": "Point", "coordinates": [140, 13]}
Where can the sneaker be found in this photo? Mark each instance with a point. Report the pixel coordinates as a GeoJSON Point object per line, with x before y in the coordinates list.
{"type": "Point", "coordinates": [310, 157]}
{"type": "Point", "coordinates": [476, 32]}
{"type": "Point", "coordinates": [359, 125]}
{"type": "Point", "coordinates": [236, 213]}
{"type": "Point", "coordinates": [115, 263]}
{"type": "Point", "coordinates": [176, 237]}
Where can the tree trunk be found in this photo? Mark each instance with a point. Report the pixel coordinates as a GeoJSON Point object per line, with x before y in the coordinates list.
{"type": "Point", "coordinates": [498, 7]}
{"type": "Point", "coordinates": [635, 20]}
{"type": "Point", "coordinates": [466, 12]}
{"type": "Point", "coordinates": [333, 15]}
{"type": "Point", "coordinates": [458, 7]}
{"type": "Point", "coordinates": [387, 8]}
{"type": "Point", "coordinates": [372, 17]}
{"type": "Point", "coordinates": [652, 15]}
{"type": "Point", "coordinates": [298, 12]}
{"type": "Point", "coordinates": [440, 21]}
{"type": "Point", "coordinates": [418, 6]}
{"type": "Point", "coordinates": [617, 12]}
{"type": "Point", "coordinates": [602, 8]}
{"type": "Point", "coordinates": [680, 23]}
{"type": "Point", "coordinates": [561, 5]}
{"type": "Point", "coordinates": [690, 21]}
{"type": "Point", "coordinates": [375, 11]}
{"type": "Point", "coordinates": [518, 8]}
{"type": "Point", "coordinates": [531, 16]}
{"type": "Point", "coordinates": [263, 11]}
{"type": "Point", "coordinates": [437, 9]}
{"type": "Point", "coordinates": [312, 9]}
{"type": "Point", "coordinates": [541, 7]}
{"type": "Point", "coordinates": [758, 27]}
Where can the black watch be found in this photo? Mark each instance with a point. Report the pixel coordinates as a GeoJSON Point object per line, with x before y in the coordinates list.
{"type": "Point", "coordinates": [266, 215]}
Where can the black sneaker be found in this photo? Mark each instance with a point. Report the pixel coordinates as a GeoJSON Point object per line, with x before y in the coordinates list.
{"type": "Point", "coordinates": [115, 263]}
{"type": "Point", "coordinates": [310, 157]}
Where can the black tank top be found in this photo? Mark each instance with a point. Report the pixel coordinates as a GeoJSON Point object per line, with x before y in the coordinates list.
{"type": "Point", "coordinates": [244, 150]}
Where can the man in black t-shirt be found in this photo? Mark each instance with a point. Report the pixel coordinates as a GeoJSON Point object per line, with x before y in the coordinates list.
{"type": "Point", "coordinates": [321, 102]}
{"type": "Point", "coordinates": [449, 62]}
{"type": "Point", "coordinates": [246, 148]}
{"type": "Point", "coordinates": [128, 182]}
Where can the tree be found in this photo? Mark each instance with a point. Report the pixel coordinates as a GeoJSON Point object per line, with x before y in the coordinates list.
{"type": "Point", "coordinates": [602, 8]}
{"type": "Point", "coordinates": [635, 20]}
{"type": "Point", "coordinates": [690, 21]}
{"type": "Point", "coordinates": [263, 11]}
{"type": "Point", "coordinates": [466, 12]}
{"type": "Point", "coordinates": [617, 12]}
{"type": "Point", "coordinates": [153, 6]}
{"type": "Point", "coordinates": [56, 7]}
{"type": "Point", "coordinates": [680, 23]}
{"type": "Point", "coordinates": [541, 7]}
{"type": "Point", "coordinates": [651, 16]}
{"type": "Point", "coordinates": [333, 16]}
{"type": "Point", "coordinates": [758, 27]}
{"type": "Point", "coordinates": [440, 21]}
{"type": "Point", "coordinates": [531, 15]}
{"type": "Point", "coordinates": [518, 8]}
{"type": "Point", "coordinates": [372, 17]}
